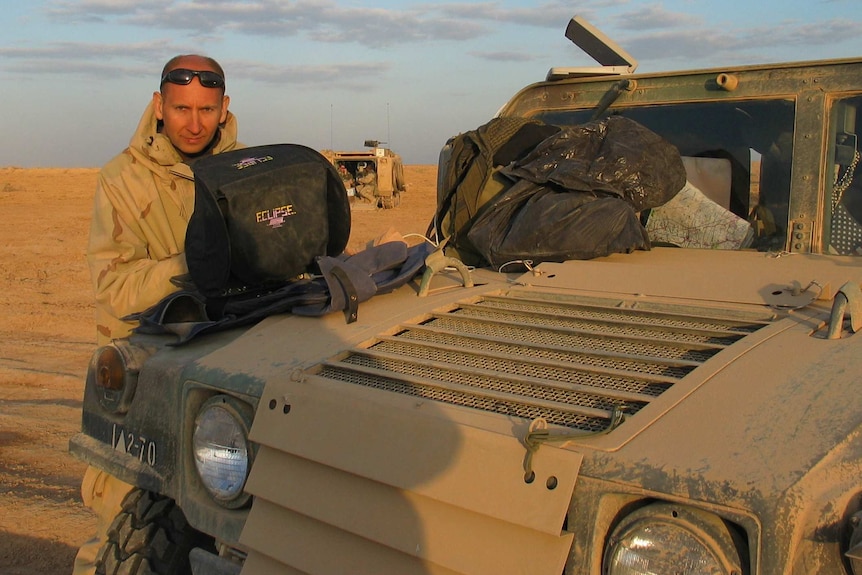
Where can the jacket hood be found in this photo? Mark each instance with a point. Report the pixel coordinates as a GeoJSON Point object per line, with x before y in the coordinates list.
{"type": "Point", "coordinates": [155, 149]}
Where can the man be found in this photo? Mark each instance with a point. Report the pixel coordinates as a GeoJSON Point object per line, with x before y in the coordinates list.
{"type": "Point", "coordinates": [145, 195]}
{"type": "Point", "coordinates": [366, 182]}
{"type": "Point", "coordinates": [144, 198]}
{"type": "Point", "coordinates": [347, 180]}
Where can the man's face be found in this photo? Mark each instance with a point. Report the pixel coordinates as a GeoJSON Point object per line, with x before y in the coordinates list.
{"type": "Point", "coordinates": [191, 114]}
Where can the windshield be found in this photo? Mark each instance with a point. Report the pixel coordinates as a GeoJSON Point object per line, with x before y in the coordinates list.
{"type": "Point", "coordinates": [738, 154]}
{"type": "Point", "coordinates": [843, 229]}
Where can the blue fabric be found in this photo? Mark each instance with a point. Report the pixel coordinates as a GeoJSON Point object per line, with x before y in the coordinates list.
{"type": "Point", "coordinates": [380, 269]}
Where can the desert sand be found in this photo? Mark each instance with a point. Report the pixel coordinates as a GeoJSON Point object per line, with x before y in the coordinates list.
{"type": "Point", "coordinates": [47, 336]}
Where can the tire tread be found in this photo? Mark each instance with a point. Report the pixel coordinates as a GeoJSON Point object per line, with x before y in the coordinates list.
{"type": "Point", "coordinates": [150, 536]}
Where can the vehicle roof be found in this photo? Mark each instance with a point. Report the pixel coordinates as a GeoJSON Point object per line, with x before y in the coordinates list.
{"type": "Point", "coordinates": [716, 70]}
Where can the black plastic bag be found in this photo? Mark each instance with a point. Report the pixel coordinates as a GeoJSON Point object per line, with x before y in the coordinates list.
{"type": "Point", "coordinates": [542, 223]}
{"type": "Point", "coordinates": [615, 155]}
{"type": "Point", "coordinates": [577, 195]}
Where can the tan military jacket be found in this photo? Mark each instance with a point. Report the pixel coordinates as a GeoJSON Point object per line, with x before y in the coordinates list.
{"type": "Point", "coordinates": [144, 198]}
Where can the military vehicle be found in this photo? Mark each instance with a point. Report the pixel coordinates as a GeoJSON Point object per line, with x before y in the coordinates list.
{"type": "Point", "coordinates": [676, 410]}
{"type": "Point", "coordinates": [384, 182]}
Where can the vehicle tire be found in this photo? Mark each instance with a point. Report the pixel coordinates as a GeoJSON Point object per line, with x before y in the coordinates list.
{"type": "Point", "coordinates": [150, 536]}
{"type": "Point", "coordinates": [400, 184]}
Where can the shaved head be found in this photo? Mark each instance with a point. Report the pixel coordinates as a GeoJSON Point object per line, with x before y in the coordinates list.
{"type": "Point", "coordinates": [193, 62]}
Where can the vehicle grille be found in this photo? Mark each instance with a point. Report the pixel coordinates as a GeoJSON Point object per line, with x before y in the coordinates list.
{"type": "Point", "coordinates": [569, 360]}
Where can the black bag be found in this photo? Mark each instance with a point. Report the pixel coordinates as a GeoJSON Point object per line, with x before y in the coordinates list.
{"type": "Point", "coordinates": [471, 177]}
{"type": "Point", "coordinates": [262, 215]}
{"type": "Point", "coordinates": [615, 156]}
{"type": "Point", "coordinates": [558, 194]}
{"type": "Point", "coordinates": [575, 225]}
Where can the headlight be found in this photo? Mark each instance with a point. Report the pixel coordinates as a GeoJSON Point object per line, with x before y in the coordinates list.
{"type": "Point", "coordinates": [221, 451]}
{"type": "Point", "coordinates": [114, 372]}
{"type": "Point", "coordinates": [666, 538]}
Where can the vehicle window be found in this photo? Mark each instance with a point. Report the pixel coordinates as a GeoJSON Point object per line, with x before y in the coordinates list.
{"type": "Point", "coordinates": [844, 224]}
{"type": "Point", "coordinates": [755, 138]}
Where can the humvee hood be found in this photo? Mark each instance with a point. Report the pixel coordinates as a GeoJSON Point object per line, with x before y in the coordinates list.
{"type": "Point", "coordinates": [705, 275]}
{"type": "Point", "coordinates": [769, 418]}
{"type": "Point", "coordinates": [412, 394]}
{"type": "Point", "coordinates": [756, 423]}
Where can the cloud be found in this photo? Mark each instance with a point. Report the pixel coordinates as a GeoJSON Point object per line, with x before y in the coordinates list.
{"type": "Point", "coordinates": [99, 61]}
{"type": "Point", "coordinates": [689, 44]}
{"type": "Point", "coordinates": [806, 34]}
{"type": "Point", "coordinates": [82, 50]}
{"type": "Point", "coordinates": [319, 20]}
{"type": "Point", "coordinates": [331, 22]}
{"type": "Point", "coordinates": [655, 16]}
{"type": "Point", "coordinates": [55, 66]}
{"type": "Point", "coordinates": [545, 15]}
{"type": "Point", "coordinates": [99, 10]}
{"type": "Point", "coordinates": [743, 45]}
{"type": "Point", "coordinates": [354, 76]}
{"type": "Point", "coordinates": [381, 28]}
{"type": "Point", "coordinates": [503, 56]}
{"type": "Point", "coordinates": [87, 60]}
{"type": "Point", "coordinates": [651, 33]}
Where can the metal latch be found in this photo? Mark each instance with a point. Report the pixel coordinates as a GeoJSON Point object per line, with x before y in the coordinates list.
{"type": "Point", "coordinates": [436, 262]}
{"type": "Point", "coordinates": [794, 296]}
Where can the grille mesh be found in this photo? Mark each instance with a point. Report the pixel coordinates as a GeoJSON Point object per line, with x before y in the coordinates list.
{"type": "Point", "coordinates": [659, 333]}
{"type": "Point", "coordinates": [489, 382]}
{"type": "Point", "coordinates": [511, 408]}
{"type": "Point", "coordinates": [669, 369]}
{"type": "Point", "coordinates": [570, 361]}
{"type": "Point", "coordinates": [598, 313]}
{"type": "Point", "coordinates": [516, 367]}
{"type": "Point", "coordinates": [535, 336]}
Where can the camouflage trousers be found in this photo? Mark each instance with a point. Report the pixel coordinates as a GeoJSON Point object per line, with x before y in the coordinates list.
{"type": "Point", "coordinates": [104, 494]}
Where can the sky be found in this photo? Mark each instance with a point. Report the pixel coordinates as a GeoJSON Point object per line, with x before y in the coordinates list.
{"type": "Point", "coordinates": [76, 75]}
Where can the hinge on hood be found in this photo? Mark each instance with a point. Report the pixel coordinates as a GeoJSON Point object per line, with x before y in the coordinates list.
{"type": "Point", "coordinates": [539, 434]}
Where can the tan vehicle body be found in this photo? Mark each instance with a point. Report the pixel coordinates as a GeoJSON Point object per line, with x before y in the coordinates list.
{"type": "Point", "coordinates": [541, 422]}
{"type": "Point", "coordinates": [387, 165]}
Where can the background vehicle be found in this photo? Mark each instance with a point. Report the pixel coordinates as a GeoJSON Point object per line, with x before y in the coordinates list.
{"type": "Point", "coordinates": [389, 183]}
{"type": "Point", "coordinates": [681, 410]}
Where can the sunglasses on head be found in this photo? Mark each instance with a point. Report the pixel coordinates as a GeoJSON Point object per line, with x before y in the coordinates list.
{"type": "Point", "coordinates": [183, 77]}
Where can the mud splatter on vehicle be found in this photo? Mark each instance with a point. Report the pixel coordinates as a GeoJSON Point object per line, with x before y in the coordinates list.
{"type": "Point", "coordinates": [691, 408]}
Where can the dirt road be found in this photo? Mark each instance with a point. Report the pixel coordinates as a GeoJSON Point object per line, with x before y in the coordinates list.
{"type": "Point", "coordinates": [47, 337]}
